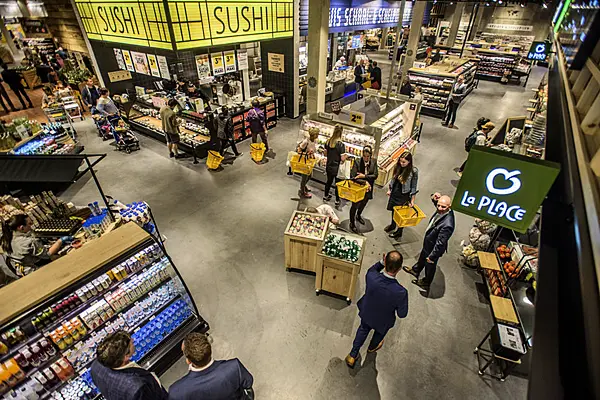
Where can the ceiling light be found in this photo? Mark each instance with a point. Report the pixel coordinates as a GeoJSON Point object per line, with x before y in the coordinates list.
{"type": "Point", "coordinates": [544, 5]}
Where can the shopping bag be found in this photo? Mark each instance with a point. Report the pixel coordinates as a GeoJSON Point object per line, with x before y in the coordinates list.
{"type": "Point", "coordinates": [344, 170]}
{"type": "Point", "coordinates": [289, 158]}
{"type": "Point", "coordinates": [366, 85]}
{"type": "Point", "coordinates": [375, 85]}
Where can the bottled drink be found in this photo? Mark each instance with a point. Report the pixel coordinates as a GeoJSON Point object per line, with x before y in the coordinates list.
{"type": "Point", "coordinates": [41, 378]}
{"type": "Point", "coordinates": [13, 368]}
{"type": "Point", "coordinates": [5, 379]}
{"type": "Point", "coordinates": [47, 347]}
{"type": "Point", "coordinates": [67, 369]}
{"type": "Point", "coordinates": [51, 377]}
{"type": "Point", "coordinates": [38, 353]}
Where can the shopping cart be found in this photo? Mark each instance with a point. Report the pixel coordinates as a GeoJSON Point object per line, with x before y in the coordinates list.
{"type": "Point", "coordinates": [125, 140]}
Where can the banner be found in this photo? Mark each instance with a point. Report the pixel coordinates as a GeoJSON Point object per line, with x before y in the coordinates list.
{"type": "Point", "coordinates": [510, 27]}
{"type": "Point", "coordinates": [203, 66]}
{"type": "Point", "coordinates": [140, 62]}
{"type": "Point", "coordinates": [120, 60]}
{"type": "Point", "coordinates": [229, 61]}
{"type": "Point", "coordinates": [216, 59]}
{"type": "Point", "coordinates": [275, 62]}
{"type": "Point", "coordinates": [242, 59]}
{"type": "Point", "coordinates": [163, 67]}
{"type": "Point", "coordinates": [128, 60]}
{"type": "Point", "coordinates": [153, 63]}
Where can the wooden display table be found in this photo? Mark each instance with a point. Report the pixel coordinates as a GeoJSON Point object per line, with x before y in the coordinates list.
{"type": "Point", "coordinates": [338, 276]}
{"type": "Point", "coordinates": [301, 250]}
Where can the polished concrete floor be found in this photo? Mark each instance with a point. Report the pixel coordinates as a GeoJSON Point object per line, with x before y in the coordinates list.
{"type": "Point", "coordinates": [225, 233]}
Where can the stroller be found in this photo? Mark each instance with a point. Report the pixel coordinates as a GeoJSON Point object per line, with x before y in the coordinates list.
{"type": "Point", "coordinates": [124, 138]}
{"type": "Point", "coordinates": [104, 128]}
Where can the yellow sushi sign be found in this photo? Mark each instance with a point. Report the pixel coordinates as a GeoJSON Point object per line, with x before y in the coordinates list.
{"type": "Point", "coordinates": [186, 24]}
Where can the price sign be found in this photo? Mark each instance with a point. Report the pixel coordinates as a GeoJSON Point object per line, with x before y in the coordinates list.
{"type": "Point", "coordinates": [153, 63]}
{"type": "Point", "coordinates": [217, 63]}
{"type": "Point", "coordinates": [357, 118]}
{"type": "Point", "coordinates": [229, 61]}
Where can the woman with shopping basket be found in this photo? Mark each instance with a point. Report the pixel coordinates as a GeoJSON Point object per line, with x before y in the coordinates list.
{"type": "Point", "coordinates": [307, 149]}
{"type": "Point", "coordinates": [364, 171]}
{"type": "Point", "coordinates": [402, 190]}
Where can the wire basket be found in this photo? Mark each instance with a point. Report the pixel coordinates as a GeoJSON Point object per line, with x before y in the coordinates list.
{"type": "Point", "coordinates": [214, 159]}
{"type": "Point", "coordinates": [408, 216]}
{"type": "Point", "coordinates": [257, 151]}
{"type": "Point", "coordinates": [351, 190]}
{"type": "Point", "coordinates": [302, 164]}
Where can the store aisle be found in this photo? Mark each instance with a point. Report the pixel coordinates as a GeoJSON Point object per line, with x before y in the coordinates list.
{"type": "Point", "coordinates": [225, 234]}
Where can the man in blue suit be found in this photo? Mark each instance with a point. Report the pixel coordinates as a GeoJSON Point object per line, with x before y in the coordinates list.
{"type": "Point", "coordinates": [435, 243]}
{"type": "Point", "coordinates": [208, 378]}
{"type": "Point", "coordinates": [384, 298]}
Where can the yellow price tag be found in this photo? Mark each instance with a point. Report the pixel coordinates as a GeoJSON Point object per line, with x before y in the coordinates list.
{"type": "Point", "coordinates": [357, 118]}
{"type": "Point", "coordinates": [218, 61]}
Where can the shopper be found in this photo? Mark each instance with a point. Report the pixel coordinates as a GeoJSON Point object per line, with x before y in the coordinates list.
{"type": "Point", "coordinates": [471, 140]}
{"type": "Point", "coordinates": [327, 210]}
{"type": "Point", "coordinates": [458, 93]}
{"type": "Point", "coordinates": [13, 80]}
{"type": "Point", "coordinates": [208, 378]}
{"type": "Point", "coordinates": [25, 253]}
{"type": "Point", "coordinates": [334, 150]}
{"type": "Point", "coordinates": [384, 298]}
{"type": "Point", "coordinates": [435, 242]}
{"type": "Point", "coordinates": [436, 57]}
{"type": "Point", "coordinates": [171, 127]}
{"type": "Point", "coordinates": [105, 105]}
{"type": "Point", "coordinates": [359, 75]}
{"type": "Point", "coordinates": [306, 149]}
{"type": "Point", "coordinates": [376, 76]}
{"type": "Point", "coordinates": [119, 378]}
{"type": "Point", "coordinates": [402, 190]}
{"type": "Point", "coordinates": [258, 126]}
{"type": "Point", "coordinates": [90, 94]}
{"type": "Point", "coordinates": [53, 77]}
{"type": "Point", "coordinates": [225, 132]}
{"type": "Point", "coordinates": [418, 96]}
{"type": "Point", "coordinates": [406, 88]}
{"type": "Point", "coordinates": [4, 95]}
{"type": "Point", "coordinates": [364, 171]}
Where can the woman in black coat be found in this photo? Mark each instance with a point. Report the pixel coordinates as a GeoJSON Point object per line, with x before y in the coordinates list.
{"type": "Point", "coordinates": [402, 190]}
{"type": "Point", "coordinates": [363, 171]}
{"type": "Point", "coordinates": [335, 151]}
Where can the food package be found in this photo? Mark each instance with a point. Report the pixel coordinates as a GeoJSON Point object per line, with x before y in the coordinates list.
{"type": "Point", "coordinates": [485, 226]}
{"type": "Point", "coordinates": [469, 256]}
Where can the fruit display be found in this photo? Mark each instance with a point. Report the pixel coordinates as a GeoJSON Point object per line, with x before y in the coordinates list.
{"type": "Point", "coordinates": [342, 247]}
{"type": "Point", "coordinates": [511, 269]}
{"type": "Point", "coordinates": [503, 251]}
{"type": "Point", "coordinates": [308, 225]}
{"type": "Point", "coordinates": [496, 282]}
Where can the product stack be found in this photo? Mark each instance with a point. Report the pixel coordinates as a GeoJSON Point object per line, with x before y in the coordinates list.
{"type": "Point", "coordinates": [496, 64]}
{"type": "Point", "coordinates": [303, 235]}
{"type": "Point", "coordinates": [40, 208]}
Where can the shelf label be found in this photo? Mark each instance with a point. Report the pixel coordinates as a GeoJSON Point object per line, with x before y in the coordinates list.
{"type": "Point", "coordinates": [325, 115]}
{"type": "Point", "coordinates": [357, 118]}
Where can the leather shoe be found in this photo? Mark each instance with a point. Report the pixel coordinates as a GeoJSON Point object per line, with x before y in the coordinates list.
{"type": "Point", "coordinates": [350, 361]}
{"type": "Point", "coordinates": [421, 283]}
{"type": "Point", "coordinates": [354, 229]}
{"type": "Point", "coordinates": [360, 220]}
{"type": "Point", "coordinates": [389, 228]}
{"type": "Point", "coordinates": [396, 235]}
{"type": "Point", "coordinates": [410, 271]}
{"type": "Point", "coordinates": [380, 345]}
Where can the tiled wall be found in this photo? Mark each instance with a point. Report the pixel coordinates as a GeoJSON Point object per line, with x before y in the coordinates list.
{"type": "Point", "coordinates": [63, 25]}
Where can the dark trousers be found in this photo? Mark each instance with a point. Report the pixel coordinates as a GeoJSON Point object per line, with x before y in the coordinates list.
{"type": "Point", "coordinates": [20, 90]}
{"type": "Point", "coordinates": [429, 267]}
{"type": "Point", "coordinates": [303, 182]}
{"type": "Point", "coordinates": [225, 143]}
{"type": "Point", "coordinates": [361, 335]}
{"type": "Point", "coordinates": [357, 209]}
{"type": "Point", "coordinates": [393, 225]}
{"type": "Point", "coordinates": [5, 95]}
{"type": "Point", "coordinates": [263, 136]}
{"type": "Point", "coordinates": [451, 112]}
{"type": "Point", "coordinates": [331, 178]}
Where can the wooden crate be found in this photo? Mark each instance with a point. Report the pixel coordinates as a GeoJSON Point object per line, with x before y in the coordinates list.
{"type": "Point", "coordinates": [300, 251]}
{"type": "Point", "coordinates": [339, 276]}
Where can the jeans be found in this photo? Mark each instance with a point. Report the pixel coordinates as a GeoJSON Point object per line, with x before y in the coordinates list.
{"type": "Point", "coordinates": [263, 136]}
{"type": "Point", "coordinates": [18, 90]}
{"type": "Point", "coordinates": [357, 209]}
{"type": "Point", "coordinates": [331, 178]}
{"type": "Point", "coordinates": [361, 336]}
{"type": "Point", "coordinates": [303, 182]}
{"type": "Point", "coordinates": [429, 267]}
{"type": "Point", "coordinates": [451, 112]}
{"type": "Point", "coordinates": [226, 143]}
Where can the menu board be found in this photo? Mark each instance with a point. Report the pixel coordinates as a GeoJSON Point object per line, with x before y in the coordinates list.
{"type": "Point", "coordinates": [163, 67]}
{"type": "Point", "coordinates": [128, 60]}
{"type": "Point", "coordinates": [153, 63]}
{"type": "Point", "coordinates": [140, 62]}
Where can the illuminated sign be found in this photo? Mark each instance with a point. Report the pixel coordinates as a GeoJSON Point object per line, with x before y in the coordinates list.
{"type": "Point", "coordinates": [503, 188]}
{"type": "Point", "coordinates": [538, 51]}
{"type": "Point", "coordinates": [194, 23]}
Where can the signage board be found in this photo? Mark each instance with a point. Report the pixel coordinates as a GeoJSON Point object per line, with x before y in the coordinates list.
{"type": "Point", "coordinates": [203, 66]}
{"type": "Point", "coordinates": [538, 51]}
{"type": "Point", "coordinates": [510, 27]}
{"type": "Point", "coordinates": [128, 60]}
{"type": "Point", "coordinates": [503, 188]}
{"type": "Point", "coordinates": [373, 14]}
{"type": "Point", "coordinates": [153, 64]}
{"type": "Point", "coordinates": [242, 59]}
{"type": "Point", "coordinates": [140, 63]}
{"type": "Point", "coordinates": [216, 60]}
{"type": "Point", "coordinates": [229, 57]}
{"type": "Point", "coordinates": [118, 76]}
{"type": "Point", "coordinates": [120, 60]}
{"type": "Point", "coordinates": [163, 67]}
{"type": "Point", "coordinates": [158, 102]}
{"type": "Point", "coordinates": [357, 118]}
{"type": "Point", "coordinates": [336, 106]}
{"type": "Point", "coordinates": [276, 62]}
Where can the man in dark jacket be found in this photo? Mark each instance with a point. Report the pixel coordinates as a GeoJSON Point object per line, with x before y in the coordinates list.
{"type": "Point", "coordinates": [376, 76]}
{"type": "Point", "coordinates": [119, 378]}
{"type": "Point", "coordinates": [458, 94]}
{"type": "Point", "coordinates": [225, 132]}
{"type": "Point", "coordinates": [258, 126]}
{"type": "Point", "coordinates": [384, 298]}
{"type": "Point", "coordinates": [90, 93]}
{"type": "Point", "coordinates": [208, 378]}
{"type": "Point", "coordinates": [435, 243]}
{"type": "Point", "coordinates": [365, 172]}
{"type": "Point", "coordinates": [13, 80]}
{"type": "Point", "coordinates": [359, 75]}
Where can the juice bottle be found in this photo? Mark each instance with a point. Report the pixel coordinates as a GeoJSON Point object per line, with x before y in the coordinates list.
{"type": "Point", "coordinates": [79, 326]}
{"type": "Point", "coordinates": [47, 347]}
{"type": "Point", "coordinates": [3, 348]}
{"type": "Point", "coordinates": [72, 331]}
{"type": "Point", "coordinates": [58, 372]}
{"type": "Point", "coordinates": [50, 376]}
{"type": "Point", "coordinates": [38, 376]}
{"type": "Point", "coordinates": [66, 367]}
{"type": "Point", "coordinates": [5, 378]}
{"type": "Point", "coordinates": [68, 339]}
{"type": "Point", "coordinates": [38, 353]}
{"type": "Point", "coordinates": [13, 368]}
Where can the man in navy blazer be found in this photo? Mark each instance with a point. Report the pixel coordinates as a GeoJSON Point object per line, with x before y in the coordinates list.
{"type": "Point", "coordinates": [384, 298]}
{"type": "Point", "coordinates": [208, 378]}
{"type": "Point", "coordinates": [119, 378]}
{"type": "Point", "coordinates": [435, 243]}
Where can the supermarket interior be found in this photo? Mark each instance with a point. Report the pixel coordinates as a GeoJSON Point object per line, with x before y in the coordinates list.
{"type": "Point", "coordinates": [225, 174]}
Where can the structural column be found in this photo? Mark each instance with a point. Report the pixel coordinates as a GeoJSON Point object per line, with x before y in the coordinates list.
{"type": "Point", "coordinates": [296, 111]}
{"type": "Point", "coordinates": [9, 42]}
{"type": "Point", "coordinates": [384, 33]}
{"type": "Point", "coordinates": [475, 27]}
{"type": "Point", "coordinates": [23, 8]}
{"type": "Point", "coordinates": [414, 35]}
{"type": "Point", "coordinates": [455, 23]}
{"type": "Point", "coordinates": [318, 31]}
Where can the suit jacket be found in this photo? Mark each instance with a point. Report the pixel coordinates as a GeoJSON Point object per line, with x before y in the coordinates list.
{"type": "Point", "coordinates": [384, 298]}
{"type": "Point", "coordinates": [223, 380]}
{"type": "Point", "coordinates": [376, 75]}
{"type": "Point", "coordinates": [371, 174]}
{"type": "Point", "coordinates": [126, 384]}
{"type": "Point", "coordinates": [436, 238]}
{"type": "Point", "coordinates": [358, 71]}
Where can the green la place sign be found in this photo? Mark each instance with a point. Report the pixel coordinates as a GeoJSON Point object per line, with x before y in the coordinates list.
{"type": "Point", "coordinates": [503, 188]}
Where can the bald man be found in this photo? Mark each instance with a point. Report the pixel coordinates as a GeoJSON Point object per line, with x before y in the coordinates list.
{"type": "Point", "coordinates": [435, 243]}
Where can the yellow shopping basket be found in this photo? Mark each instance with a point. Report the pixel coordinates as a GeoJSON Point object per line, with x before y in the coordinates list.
{"type": "Point", "coordinates": [302, 164]}
{"type": "Point", "coordinates": [257, 151]}
{"type": "Point", "coordinates": [408, 216]}
{"type": "Point", "coordinates": [351, 190]}
{"type": "Point", "coordinates": [214, 159]}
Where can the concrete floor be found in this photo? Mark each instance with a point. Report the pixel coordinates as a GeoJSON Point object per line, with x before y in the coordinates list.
{"type": "Point", "coordinates": [225, 233]}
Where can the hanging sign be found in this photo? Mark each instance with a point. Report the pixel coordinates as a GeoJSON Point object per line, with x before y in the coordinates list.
{"type": "Point", "coordinates": [275, 62]}
{"type": "Point", "coordinates": [357, 118]}
{"type": "Point", "coordinates": [229, 61]}
{"type": "Point", "coordinates": [242, 59]}
{"type": "Point", "coordinates": [504, 188]}
{"type": "Point", "coordinates": [216, 59]}
{"type": "Point", "coordinates": [128, 60]}
{"type": "Point", "coordinates": [538, 51]}
{"type": "Point", "coordinates": [153, 64]}
{"type": "Point", "coordinates": [140, 62]}
{"type": "Point", "coordinates": [510, 27]}
{"type": "Point", "coordinates": [203, 66]}
{"type": "Point", "coordinates": [163, 67]}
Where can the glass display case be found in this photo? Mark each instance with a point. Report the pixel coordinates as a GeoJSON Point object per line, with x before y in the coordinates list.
{"type": "Point", "coordinates": [121, 281]}
{"type": "Point", "coordinates": [577, 25]}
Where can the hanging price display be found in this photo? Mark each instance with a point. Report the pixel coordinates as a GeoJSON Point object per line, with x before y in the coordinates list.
{"type": "Point", "coordinates": [357, 118]}
{"type": "Point", "coordinates": [217, 63]}
{"type": "Point", "coordinates": [229, 61]}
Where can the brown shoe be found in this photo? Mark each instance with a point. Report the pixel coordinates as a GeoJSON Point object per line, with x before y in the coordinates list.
{"type": "Point", "coordinates": [410, 271]}
{"type": "Point", "coordinates": [451, 126]}
{"type": "Point", "coordinates": [350, 361]}
{"type": "Point", "coordinates": [380, 345]}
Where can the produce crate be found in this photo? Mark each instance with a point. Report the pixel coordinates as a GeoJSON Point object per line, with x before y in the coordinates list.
{"type": "Point", "coordinates": [301, 248]}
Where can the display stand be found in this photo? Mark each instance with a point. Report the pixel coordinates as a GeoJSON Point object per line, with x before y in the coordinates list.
{"type": "Point", "coordinates": [495, 65]}
{"type": "Point", "coordinates": [301, 248]}
{"type": "Point", "coordinates": [336, 275]}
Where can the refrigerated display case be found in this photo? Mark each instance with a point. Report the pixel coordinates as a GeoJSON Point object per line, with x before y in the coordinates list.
{"type": "Point", "coordinates": [52, 319]}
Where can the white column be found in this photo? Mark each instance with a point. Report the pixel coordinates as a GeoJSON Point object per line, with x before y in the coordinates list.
{"type": "Point", "coordinates": [413, 38]}
{"type": "Point", "coordinates": [318, 31]}
{"type": "Point", "coordinates": [455, 23]}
